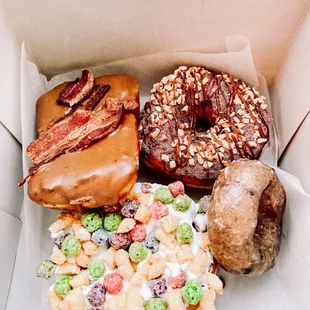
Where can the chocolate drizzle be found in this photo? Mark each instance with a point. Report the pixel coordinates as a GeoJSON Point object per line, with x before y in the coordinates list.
{"type": "Point", "coordinates": [234, 110]}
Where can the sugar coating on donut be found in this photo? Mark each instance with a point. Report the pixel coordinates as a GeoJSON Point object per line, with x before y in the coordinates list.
{"type": "Point", "coordinates": [169, 124]}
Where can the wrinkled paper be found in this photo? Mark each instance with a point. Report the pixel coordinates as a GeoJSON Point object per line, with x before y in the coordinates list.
{"type": "Point", "coordinates": [284, 287]}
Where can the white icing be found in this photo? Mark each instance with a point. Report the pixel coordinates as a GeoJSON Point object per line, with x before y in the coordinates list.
{"type": "Point", "coordinates": [145, 291]}
{"type": "Point", "coordinates": [55, 235]}
{"type": "Point", "coordinates": [172, 269]}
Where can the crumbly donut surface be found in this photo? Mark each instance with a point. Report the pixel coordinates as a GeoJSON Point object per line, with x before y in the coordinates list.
{"type": "Point", "coordinates": [180, 103]}
{"type": "Point", "coordinates": [245, 218]}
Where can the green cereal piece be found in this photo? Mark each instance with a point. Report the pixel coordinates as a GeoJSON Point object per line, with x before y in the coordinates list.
{"type": "Point", "coordinates": [156, 304]}
{"type": "Point", "coordinates": [137, 252]}
{"type": "Point", "coordinates": [200, 210]}
{"type": "Point", "coordinates": [164, 195]}
{"type": "Point", "coordinates": [96, 269]}
{"type": "Point", "coordinates": [92, 221]}
{"type": "Point", "coordinates": [182, 203]}
{"type": "Point", "coordinates": [112, 221]}
{"type": "Point", "coordinates": [46, 269]}
{"type": "Point", "coordinates": [192, 292]}
{"type": "Point", "coordinates": [62, 286]}
{"type": "Point", "coordinates": [184, 233]}
{"type": "Point", "coordinates": [71, 246]}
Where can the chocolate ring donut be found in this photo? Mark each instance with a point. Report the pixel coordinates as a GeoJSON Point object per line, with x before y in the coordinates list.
{"type": "Point", "coordinates": [230, 113]}
{"type": "Point", "coordinates": [245, 218]}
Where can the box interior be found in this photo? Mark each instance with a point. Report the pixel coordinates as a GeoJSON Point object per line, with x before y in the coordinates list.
{"type": "Point", "coordinates": [62, 36]}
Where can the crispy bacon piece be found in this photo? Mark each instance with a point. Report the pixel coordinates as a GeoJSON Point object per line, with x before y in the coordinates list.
{"type": "Point", "coordinates": [96, 95]}
{"type": "Point", "coordinates": [77, 90]}
{"type": "Point", "coordinates": [98, 92]}
{"type": "Point", "coordinates": [114, 104]}
{"type": "Point", "coordinates": [76, 132]}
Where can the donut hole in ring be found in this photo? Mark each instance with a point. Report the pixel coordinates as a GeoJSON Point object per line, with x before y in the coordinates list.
{"type": "Point", "coordinates": [204, 119]}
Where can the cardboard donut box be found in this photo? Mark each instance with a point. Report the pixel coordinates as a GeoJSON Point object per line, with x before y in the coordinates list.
{"type": "Point", "coordinates": [55, 37]}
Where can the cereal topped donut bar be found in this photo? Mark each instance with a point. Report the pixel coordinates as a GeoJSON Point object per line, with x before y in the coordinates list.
{"type": "Point", "coordinates": [150, 252]}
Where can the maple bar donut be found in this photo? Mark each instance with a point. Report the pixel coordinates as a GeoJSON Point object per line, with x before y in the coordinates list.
{"type": "Point", "coordinates": [100, 165]}
{"type": "Point", "coordinates": [198, 121]}
{"type": "Point", "coordinates": [245, 217]}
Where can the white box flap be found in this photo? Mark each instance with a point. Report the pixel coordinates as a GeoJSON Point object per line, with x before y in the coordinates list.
{"type": "Point", "coordinates": [11, 173]}
{"type": "Point", "coordinates": [10, 77]}
{"type": "Point", "coordinates": [65, 35]}
{"type": "Point", "coordinates": [10, 228]}
{"type": "Point", "coordinates": [290, 89]}
{"type": "Point", "coordinates": [296, 157]}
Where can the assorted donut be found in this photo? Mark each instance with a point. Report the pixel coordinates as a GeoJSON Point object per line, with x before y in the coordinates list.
{"type": "Point", "coordinates": [152, 254]}
{"type": "Point", "coordinates": [123, 245]}
{"type": "Point", "coordinates": [198, 121]}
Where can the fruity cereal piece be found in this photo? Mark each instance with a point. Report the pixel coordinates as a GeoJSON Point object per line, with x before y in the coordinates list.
{"type": "Point", "coordinates": [177, 281]}
{"type": "Point", "coordinates": [164, 195]}
{"type": "Point", "coordinates": [138, 233]}
{"type": "Point", "coordinates": [182, 203]}
{"type": "Point", "coordinates": [62, 285]}
{"type": "Point", "coordinates": [96, 295]}
{"type": "Point", "coordinates": [112, 221]}
{"type": "Point", "coordinates": [113, 283]}
{"type": "Point", "coordinates": [71, 246]}
{"type": "Point", "coordinates": [151, 242]}
{"type": "Point", "coordinates": [192, 292]}
{"type": "Point", "coordinates": [184, 233]}
{"type": "Point", "coordinates": [158, 286]}
{"type": "Point", "coordinates": [137, 252]}
{"type": "Point", "coordinates": [46, 269]}
{"type": "Point", "coordinates": [159, 210]}
{"type": "Point", "coordinates": [92, 221]}
{"type": "Point", "coordinates": [176, 188]}
{"type": "Point", "coordinates": [130, 207]}
{"type": "Point", "coordinates": [112, 209]}
{"type": "Point", "coordinates": [96, 269]}
{"type": "Point", "coordinates": [155, 304]}
{"type": "Point", "coordinates": [120, 240]}
{"type": "Point", "coordinates": [100, 237]}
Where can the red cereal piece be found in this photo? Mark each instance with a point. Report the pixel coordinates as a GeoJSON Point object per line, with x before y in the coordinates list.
{"type": "Point", "coordinates": [138, 233]}
{"type": "Point", "coordinates": [178, 281]}
{"type": "Point", "coordinates": [113, 283]}
{"type": "Point", "coordinates": [176, 188]}
{"type": "Point", "coordinates": [159, 210]}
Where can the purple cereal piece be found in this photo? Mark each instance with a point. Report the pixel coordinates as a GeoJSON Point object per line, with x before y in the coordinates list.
{"type": "Point", "coordinates": [130, 207]}
{"type": "Point", "coordinates": [120, 240]}
{"type": "Point", "coordinates": [111, 209]}
{"type": "Point", "coordinates": [96, 295]}
{"type": "Point", "coordinates": [158, 286]}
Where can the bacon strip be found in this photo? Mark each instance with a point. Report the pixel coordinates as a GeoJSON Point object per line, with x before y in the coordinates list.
{"type": "Point", "coordinates": [98, 92]}
{"type": "Point", "coordinates": [76, 132]}
{"type": "Point", "coordinates": [77, 90]}
{"type": "Point", "coordinates": [96, 95]}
